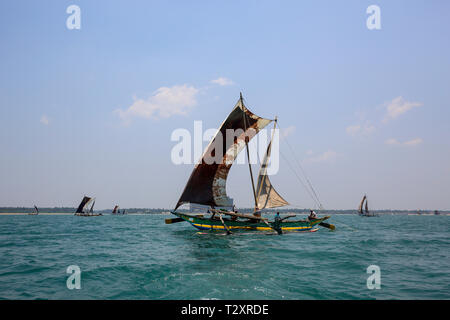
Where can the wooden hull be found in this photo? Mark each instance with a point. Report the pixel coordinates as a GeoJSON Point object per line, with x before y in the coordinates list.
{"type": "Point", "coordinates": [204, 223]}
{"type": "Point", "coordinates": [88, 215]}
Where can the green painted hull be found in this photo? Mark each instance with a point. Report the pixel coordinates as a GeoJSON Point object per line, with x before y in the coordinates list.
{"type": "Point", "coordinates": [206, 223]}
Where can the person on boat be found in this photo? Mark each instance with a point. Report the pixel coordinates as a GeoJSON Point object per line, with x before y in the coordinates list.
{"type": "Point", "coordinates": [277, 223]}
{"type": "Point", "coordinates": [312, 215]}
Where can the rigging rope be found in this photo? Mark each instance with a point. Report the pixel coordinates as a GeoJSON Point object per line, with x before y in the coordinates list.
{"type": "Point", "coordinates": [301, 181]}
{"type": "Point", "coordinates": [311, 191]}
{"type": "Point", "coordinates": [304, 174]}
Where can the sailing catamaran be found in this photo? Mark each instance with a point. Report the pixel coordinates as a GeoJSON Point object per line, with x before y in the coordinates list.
{"type": "Point", "coordinates": [82, 208]}
{"type": "Point", "coordinates": [35, 212]}
{"type": "Point", "coordinates": [206, 185]}
{"type": "Point", "coordinates": [366, 212]}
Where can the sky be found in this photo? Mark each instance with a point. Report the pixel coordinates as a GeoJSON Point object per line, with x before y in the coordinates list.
{"type": "Point", "coordinates": [92, 110]}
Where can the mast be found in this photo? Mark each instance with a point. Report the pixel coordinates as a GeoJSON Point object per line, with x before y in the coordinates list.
{"type": "Point", "coordinates": [248, 158]}
{"type": "Point", "coordinates": [267, 196]}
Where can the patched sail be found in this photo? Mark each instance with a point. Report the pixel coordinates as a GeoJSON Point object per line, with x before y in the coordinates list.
{"type": "Point", "coordinates": [207, 182]}
{"type": "Point", "coordinates": [266, 195]}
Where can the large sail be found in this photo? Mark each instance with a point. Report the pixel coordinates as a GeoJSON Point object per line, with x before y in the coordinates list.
{"type": "Point", "coordinates": [207, 182]}
{"type": "Point", "coordinates": [360, 208]}
{"type": "Point", "coordinates": [115, 209]}
{"type": "Point", "coordinates": [36, 210]}
{"type": "Point", "coordinates": [83, 203]}
{"type": "Point", "coordinates": [266, 195]}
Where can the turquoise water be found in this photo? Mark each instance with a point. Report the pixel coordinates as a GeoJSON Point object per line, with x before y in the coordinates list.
{"type": "Point", "coordinates": [139, 257]}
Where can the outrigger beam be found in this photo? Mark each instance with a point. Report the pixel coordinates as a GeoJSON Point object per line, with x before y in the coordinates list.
{"type": "Point", "coordinates": [224, 225]}
{"type": "Point", "coordinates": [174, 220]}
{"type": "Point", "coordinates": [240, 215]}
{"type": "Point", "coordinates": [277, 231]}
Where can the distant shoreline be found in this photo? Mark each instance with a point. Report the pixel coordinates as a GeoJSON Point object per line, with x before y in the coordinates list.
{"type": "Point", "coordinates": [403, 213]}
{"type": "Point", "coordinates": [299, 211]}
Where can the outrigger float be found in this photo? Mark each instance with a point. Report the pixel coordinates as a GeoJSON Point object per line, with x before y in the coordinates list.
{"type": "Point", "coordinates": [206, 185]}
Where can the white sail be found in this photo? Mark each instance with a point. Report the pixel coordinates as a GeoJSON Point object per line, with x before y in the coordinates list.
{"type": "Point", "coordinates": [266, 195]}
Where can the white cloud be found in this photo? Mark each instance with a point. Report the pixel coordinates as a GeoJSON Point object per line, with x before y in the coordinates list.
{"type": "Point", "coordinates": [413, 142]}
{"type": "Point", "coordinates": [392, 141]}
{"type": "Point", "coordinates": [163, 103]}
{"type": "Point", "coordinates": [397, 107]}
{"type": "Point", "coordinates": [353, 130]}
{"type": "Point", "coordinates": [285, 132]}
{"type": "Point", "coordinates": [410, 143]}
{"type": "Point", "coordinates": [45, 120]}
{"type": "Point", "coordinates": [222, 81]}
{"type": "Point", "coordinates": [324, 157]}
{"type": "Point", "coordinates": [357, 129]}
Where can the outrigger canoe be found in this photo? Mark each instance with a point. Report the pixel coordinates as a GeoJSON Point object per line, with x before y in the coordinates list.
{"type": "Point", "coordinates": [207, 184]}
{"type": "Point", "coordinates": [251, 223]}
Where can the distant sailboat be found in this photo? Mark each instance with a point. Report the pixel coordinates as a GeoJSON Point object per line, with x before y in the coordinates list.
{"type": "Point", "coordinates": [83, 210]}
{"type": "Point", "coordinates": [35, 212]}
{"type": "Point", "coordinates": [207, 183]}
{"type": "Point", "coordinates": [365, 213]}
{"type": "Point", "coordinates": [116, 211]}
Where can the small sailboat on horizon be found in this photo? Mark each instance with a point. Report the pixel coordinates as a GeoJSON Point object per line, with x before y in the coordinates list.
{"type": "Point", "coordinates": [116, 211]}
{"type": "Point", "coordinates": [207, 183]}
{"type": "Point", "coordinates": [83, 210]}
{"type": "Point", "coordinates": [35, 212]}
{"type": "Point", "coordinates": [363, 209]}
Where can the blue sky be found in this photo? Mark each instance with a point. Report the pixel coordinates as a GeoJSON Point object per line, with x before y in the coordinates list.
{"type": "Point", "coordinates": [368, 110]}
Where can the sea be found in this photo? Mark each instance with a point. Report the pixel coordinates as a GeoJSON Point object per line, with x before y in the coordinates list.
{"type": "Point", "coordinates": [140, 257]}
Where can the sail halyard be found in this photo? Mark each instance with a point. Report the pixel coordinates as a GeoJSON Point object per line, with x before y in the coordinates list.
{"type": "Point", "coordinates": [267, 196]}
{"type": "Point", "coordinates": [207, 183]}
